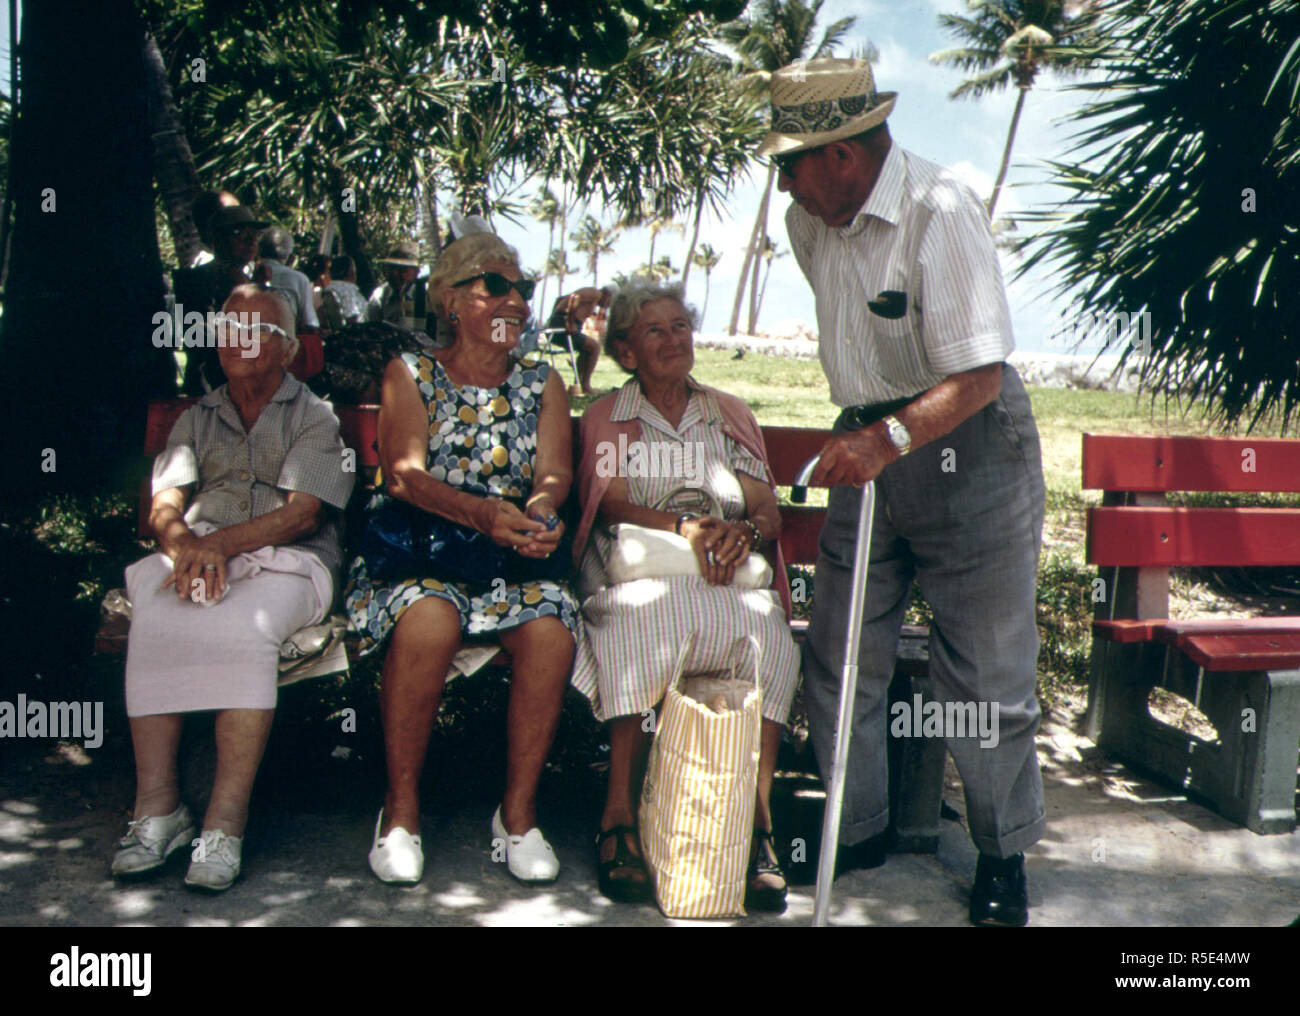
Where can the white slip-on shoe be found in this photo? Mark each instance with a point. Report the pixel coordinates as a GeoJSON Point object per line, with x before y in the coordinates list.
{"type": "Point", "coordinates": [529, 857]}
{"type": "Point", "coordinates": [396, 858]}
{"type": "Point", "coordinates": [150, 841]}
{"type": "Point", "coordinates": [214, 864]}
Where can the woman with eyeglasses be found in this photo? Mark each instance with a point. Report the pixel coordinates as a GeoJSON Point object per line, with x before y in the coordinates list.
{"type": "Point", "coordinates": [464, 543]}
{"type": "Point", "coordinates": [247, 503]}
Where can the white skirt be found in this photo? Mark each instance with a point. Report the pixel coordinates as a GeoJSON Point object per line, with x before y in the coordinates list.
{"type": "Point", "coordinates": [183, 657]}
{"type": "Point", "coordinates": [634, 630]}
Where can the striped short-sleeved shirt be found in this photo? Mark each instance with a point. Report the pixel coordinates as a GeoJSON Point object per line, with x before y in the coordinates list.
{"type": "Point", "coordinates": [239, 475]}
{"type": "Point", "coordinates": [957, 317]}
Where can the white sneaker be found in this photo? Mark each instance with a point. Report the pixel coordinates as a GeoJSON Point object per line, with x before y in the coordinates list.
{"type": "Point", "coordinates": [151, 840]}
{"type": "Point", "coordinates": [396, 858]}
{"type": "Point", "coordinates": [214, 865]}
{"type": "Point", "coordinates": [529, 857]}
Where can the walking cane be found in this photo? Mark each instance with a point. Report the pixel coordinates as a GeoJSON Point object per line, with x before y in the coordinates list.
{"type": "Point", "coordinates": [848, 688]}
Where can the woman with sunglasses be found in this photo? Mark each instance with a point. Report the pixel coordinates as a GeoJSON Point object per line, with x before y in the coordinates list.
{"type": "Point", "coordinates": [475, 446]}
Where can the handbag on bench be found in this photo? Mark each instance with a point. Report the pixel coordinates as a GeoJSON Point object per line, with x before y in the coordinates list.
{"type": "Point", "coordinates": [639, 552]}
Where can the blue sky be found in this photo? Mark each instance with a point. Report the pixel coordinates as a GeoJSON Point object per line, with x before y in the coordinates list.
{"type": "Point", "coordinates": [965, 135]}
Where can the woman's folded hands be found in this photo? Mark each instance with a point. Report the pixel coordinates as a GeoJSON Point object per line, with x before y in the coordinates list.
{"type": "Point", "coordinates": [719, 546]}
{"type": "Point", "coordinates": [535, 533]}
{"type": "Point", "coordinates": [198, 568]}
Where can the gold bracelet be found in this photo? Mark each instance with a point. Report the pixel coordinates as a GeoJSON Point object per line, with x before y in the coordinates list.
{"type": "Point", "coordinates": [756, 540]}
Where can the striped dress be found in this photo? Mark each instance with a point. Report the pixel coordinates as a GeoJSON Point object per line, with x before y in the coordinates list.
{"type": "Point", "coordinates": [635, 629]}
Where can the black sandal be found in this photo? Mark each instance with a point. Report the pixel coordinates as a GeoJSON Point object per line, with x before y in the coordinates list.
{"type": "Point", "coordinates": [763, 860]}
{"type": "Point", "coordinates": [622, 890]}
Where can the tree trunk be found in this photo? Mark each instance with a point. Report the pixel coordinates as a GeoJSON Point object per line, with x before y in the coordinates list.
{"type": "Point", "coordinates": [705, 309]}
{"type": "Point", "coordinates": [73, 401]}
{"type": "Point", "coordinates": [1006, 152]}
{"type": "Point", "coordinates": [350, 233]}
{"type": "Point", "coordinates": [326, 245]}
{"type": "Point", "coordinates": [750, 253]}
{"type": "Point", "coordinates": [695, 236]}
{"type": "Point", "coordinates": [760, 240]}
{"type": "Point", "coordinates": [763, 290]}
{"type": "Point", "coordinates": [432, 229]}
{"type": "Point", "coordinates": [173, 162]}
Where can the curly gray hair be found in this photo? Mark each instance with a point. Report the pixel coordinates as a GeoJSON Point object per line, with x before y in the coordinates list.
{"type": "Point", "coordinates": [459, 260]}
{"type": "Point", "coordinates": [626, 307]}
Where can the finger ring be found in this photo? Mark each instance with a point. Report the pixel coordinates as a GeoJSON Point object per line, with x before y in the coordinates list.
{"type": "Point", "coordinates": [209, 567]}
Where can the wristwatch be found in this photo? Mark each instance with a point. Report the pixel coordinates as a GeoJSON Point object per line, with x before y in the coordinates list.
{"type": "Point", "coordinates": [685, 517]}
{"type": "Point", "coordinates": [899, 436]}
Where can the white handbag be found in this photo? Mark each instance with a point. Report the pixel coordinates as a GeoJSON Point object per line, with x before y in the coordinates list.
{"type": "Point", "coordinates": [638, 552]}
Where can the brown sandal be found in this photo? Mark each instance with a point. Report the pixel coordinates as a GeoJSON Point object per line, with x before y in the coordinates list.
{"type": "Point", "coordinates": [625, 889]}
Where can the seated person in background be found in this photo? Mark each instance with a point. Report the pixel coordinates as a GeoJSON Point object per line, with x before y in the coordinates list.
{"type": "Point", "coordinates": [276, 250]}
{"type": "Point", "coordinates": [246, 505]}
{"type": "Point", "coordinates": [402, 299]}
{"type": "Point", "coordinates": [569, 313]}
{"type": "Point", "coordinates": [234, 233]}
{"type": "Point", "coordinates": [343, 284]}
{"type": "Point", "coordinates": [324, 299]}
{"type": "Point", "coordinates": [355, 358]}
{"type": "Point", "coordinates": [470, 436]}
{"type": "Point", "coordinates": [633, 630]}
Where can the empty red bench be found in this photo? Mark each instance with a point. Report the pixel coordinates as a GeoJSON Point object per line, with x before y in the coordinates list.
{"type": "Point", "coordinates": [1243, 674]}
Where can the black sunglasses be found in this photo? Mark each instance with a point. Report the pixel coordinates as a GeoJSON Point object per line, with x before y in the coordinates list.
{"type": "Point", "coordinates": [785, 164]}
{"type": "Point", "coordinates": [498, 285]}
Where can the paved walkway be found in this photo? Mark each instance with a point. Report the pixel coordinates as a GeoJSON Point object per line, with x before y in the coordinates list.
{"type": "Point", "coordinates": [1119, 850]}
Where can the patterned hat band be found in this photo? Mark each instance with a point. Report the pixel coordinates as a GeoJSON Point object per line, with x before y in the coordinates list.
{"type": "Point", "coordinates": [825, 115]}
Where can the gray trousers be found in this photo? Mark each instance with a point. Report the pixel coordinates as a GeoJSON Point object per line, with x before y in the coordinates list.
{"type": "Point", "coordinates": [964, 516]}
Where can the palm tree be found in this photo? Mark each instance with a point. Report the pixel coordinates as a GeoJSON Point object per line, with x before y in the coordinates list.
{"type": "Point", "coordinates": [545, 208]}
{"type": "Point", "coordinates": [1012, 41]}
{"type": "Point", "coordinates": [771, 252]}
{"type": "Point", "coordinates": [1163, 195]}
{"type": "Point", "coordinates": [557, 264]}
{"type": "Point", "coordinates": [593, 239]}
{"type": "Point", "coordinates": [657, 225]}
{"type": "Point", "coordinates": [707, 258]}
{"type": "Point", "coordinates": [777, 33]}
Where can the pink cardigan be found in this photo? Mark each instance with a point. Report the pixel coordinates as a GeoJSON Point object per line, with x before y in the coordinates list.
{"type": "Point", "coordinates": [596, 427]}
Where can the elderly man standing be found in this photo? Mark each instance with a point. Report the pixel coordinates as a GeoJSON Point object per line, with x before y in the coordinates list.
{"type": "Point", "coordinates": [914, 330]}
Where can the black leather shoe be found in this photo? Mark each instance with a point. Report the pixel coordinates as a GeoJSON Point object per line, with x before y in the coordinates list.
{"type": "Point", "coordinates": [1000, 897]}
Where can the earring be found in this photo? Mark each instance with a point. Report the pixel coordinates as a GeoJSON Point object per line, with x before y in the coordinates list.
{"type": "Point", "coordinates": [453, 317]}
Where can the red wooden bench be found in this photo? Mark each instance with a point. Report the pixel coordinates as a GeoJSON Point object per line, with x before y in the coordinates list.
{"type": "Point", "coordinates": [916, 764]}
{"type": "Point", "coordinates": [1243, 674]}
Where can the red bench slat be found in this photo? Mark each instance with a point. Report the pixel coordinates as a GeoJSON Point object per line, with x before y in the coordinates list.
{"type": "Point", "coordinates": [1162, 463]}
{"type": "Point", "coordinates": [1240, 652]}
{"type": "Point", "coordinates": [800, 528]}
{"type": "Point", "coordinates": [1174, 537]}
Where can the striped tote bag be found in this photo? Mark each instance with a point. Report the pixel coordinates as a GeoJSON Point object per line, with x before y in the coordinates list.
{"type": "Point", "coordinates": [697, 802]}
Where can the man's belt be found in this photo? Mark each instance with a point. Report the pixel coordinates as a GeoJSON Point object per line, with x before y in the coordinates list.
{"type": "Point", "coordinates": [860, 417]}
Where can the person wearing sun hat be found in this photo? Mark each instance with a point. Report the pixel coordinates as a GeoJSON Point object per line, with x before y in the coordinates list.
{"type": "Point", "coordinates": [401, 300]}
{"type": "Point", "coordinates": [913, 334]}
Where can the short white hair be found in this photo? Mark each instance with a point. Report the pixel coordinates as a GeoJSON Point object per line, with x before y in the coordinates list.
{"type": "Point", "coordinates": [285, 315]}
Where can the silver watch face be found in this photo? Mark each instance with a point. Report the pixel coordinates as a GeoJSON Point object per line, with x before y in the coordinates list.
{"type": "Point", "coordinates": [900, 436]}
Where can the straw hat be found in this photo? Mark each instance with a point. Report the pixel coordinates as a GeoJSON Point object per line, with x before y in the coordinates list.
{"type": "Point", "coordinates": [403, 255]}
{"type": "Point", "coordinates": [815, 102]}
